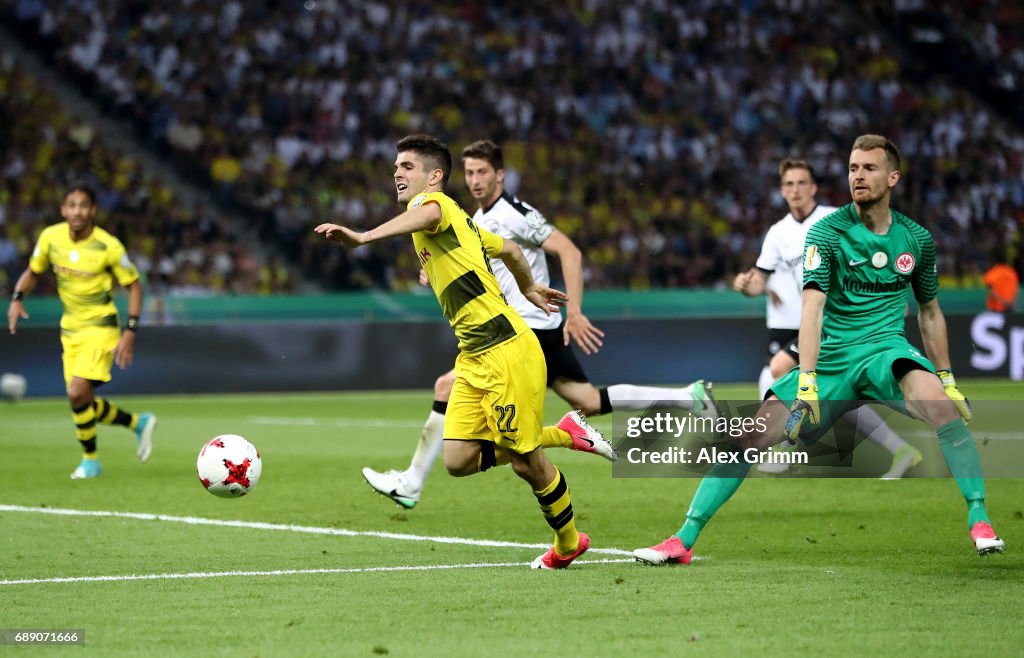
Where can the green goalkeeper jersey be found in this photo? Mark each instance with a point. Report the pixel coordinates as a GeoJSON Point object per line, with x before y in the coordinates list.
{"type": "Point", "coordinates": [865, 276]}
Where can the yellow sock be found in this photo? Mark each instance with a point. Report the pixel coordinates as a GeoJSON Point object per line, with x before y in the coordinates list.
{"type": "Point", "coordinates": [108, 413]}
{"type": "Point", "coordinates": [85, 429]}
{"type": "Point", "coordinates": [552, 437]}
{"type": "Point", "coordinates": [557, 508]}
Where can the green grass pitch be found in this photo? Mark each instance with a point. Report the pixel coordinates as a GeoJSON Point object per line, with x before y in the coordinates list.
{"type": "Point", "coordinates": [789, 566]}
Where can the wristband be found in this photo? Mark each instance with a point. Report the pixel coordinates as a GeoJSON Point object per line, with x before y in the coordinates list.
{"type": "Point", "coordinates": [17, 296]}
{"type": "Point", "coordinates": [133, 323]}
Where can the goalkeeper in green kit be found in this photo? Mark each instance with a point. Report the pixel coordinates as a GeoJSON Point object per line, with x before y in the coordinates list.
{"type": "Point", "coordinates": [858, 263]}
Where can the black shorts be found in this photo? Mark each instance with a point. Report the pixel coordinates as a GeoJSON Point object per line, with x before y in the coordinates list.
{"type": "Point", "coordinates": [560, 358]}
{"type": "Point", "coordinates": [783, 340]}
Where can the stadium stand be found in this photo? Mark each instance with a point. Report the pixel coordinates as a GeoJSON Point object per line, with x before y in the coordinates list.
{"type": "Point", "coordinates": [648, 131]}
{"type": "Point", "coordinates": [182, 250]}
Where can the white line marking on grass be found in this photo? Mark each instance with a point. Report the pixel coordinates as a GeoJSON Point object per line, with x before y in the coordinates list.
{"type": "Point", "coordinates": [334, 422]}
{"type": "Point", "coordinates": [278, 572]}
{"type": "Point", "coordinates": [313, 530]}
{"type": "Point", "coordinates": [978, 435]}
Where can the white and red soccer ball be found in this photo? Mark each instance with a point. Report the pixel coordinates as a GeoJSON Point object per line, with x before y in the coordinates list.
{"type": "Point", "coordinates": [229, 466]}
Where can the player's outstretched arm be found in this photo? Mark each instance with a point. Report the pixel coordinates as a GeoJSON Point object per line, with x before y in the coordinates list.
{"type": "Point", "coordinates": [425, 217]}
{"type": "Point", "coordinates": [16, 309]}
{"type": "Point", "coordinates": [577, 326]}
{"type": "Point", "coordinates": [936, 345]}
{"type": "Point", "coordinates": [546, 299]}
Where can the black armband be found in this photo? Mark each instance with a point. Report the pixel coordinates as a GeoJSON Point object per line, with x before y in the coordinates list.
{"type": "Point", "coordinates": [133, 323]}
{"type": "Point", "coordinates": [17, 296]}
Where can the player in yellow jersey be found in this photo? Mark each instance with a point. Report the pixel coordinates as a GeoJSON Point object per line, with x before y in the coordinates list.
{"type": "Point", "coordinates": [497, 402]}
{"type": "Point", "coordinates": [86, 260]}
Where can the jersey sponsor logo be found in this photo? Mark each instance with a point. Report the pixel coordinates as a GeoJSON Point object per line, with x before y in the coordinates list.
{"type": "Point", "coordinates": [879, 259]}
{"type": "Point", "coordinates": [905, 262]}
{"type": "Point", "coordinates": [71, 272]}
{"type": "Point", "coordinates": [418, 201]}
{"type": "Point", "coordinates": [424, 256]}
{"type": "Point", "coordinates": [857, 263]}
{"type": "Point", "coordinates": [853, 285]}
{"type": "Point", "coordinates": [812, 259]}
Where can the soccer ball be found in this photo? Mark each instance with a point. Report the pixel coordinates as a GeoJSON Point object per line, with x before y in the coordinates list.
{"type": "Point", "coordinates": [12, 386]}
{"type": "Point", "coordinates": [229, 466]}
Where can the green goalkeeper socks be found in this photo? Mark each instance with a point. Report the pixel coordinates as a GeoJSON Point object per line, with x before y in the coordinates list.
{"type": "Point", "coordinates": [718, 485]}
{"type": "Point", "coordinates": [964, 463]}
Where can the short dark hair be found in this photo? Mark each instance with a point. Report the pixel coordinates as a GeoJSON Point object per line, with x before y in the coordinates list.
{"type": "Point", "coordinates": [485, 149]}
{"type": "Point", "coordinates": [796, 163]}
{"type": "Point", "coordinates": [431, 150]}
{"type": "Point", "coordinates": [871, 142]}
{"type": "Point", "coordinates": [84, 189]}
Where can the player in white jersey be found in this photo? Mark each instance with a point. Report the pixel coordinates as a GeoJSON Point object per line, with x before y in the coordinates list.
{"type": "Point", "coordinates": [778, 274]}
{"type": "Point", "coordinates": [510, 218]}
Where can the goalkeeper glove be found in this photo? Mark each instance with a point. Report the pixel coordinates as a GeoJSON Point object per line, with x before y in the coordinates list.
{"type": "Point", "coordinates": [806, 407]}
{"type": "Point", "coordinates": [963, 405]}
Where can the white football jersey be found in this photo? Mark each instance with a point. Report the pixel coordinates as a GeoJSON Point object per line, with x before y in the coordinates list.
{"type": "Point", "coordinates": [782, 255]}
{"type": "Point", "coordinates": [515, 220]}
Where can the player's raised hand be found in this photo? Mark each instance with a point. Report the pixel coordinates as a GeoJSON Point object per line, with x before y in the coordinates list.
{"type": "Point", "coordinates": [14, 311]}
{"type": "Point", "coordinates": [424, 279]}
{"type": "Point", "coordinates": [806, 407]}
{"type": "Point", "coordinates": [124, 352]}
{"type": "Point", "coordinates": [546, 299]}
{"type": "Point", "coordinates": [578, 328]}
{"type": "Point", "coordinates": [963, 405]}
{"type": "Point", "coordinates": [342, 234]}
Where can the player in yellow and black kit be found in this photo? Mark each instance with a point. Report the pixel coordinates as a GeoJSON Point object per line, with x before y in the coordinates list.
{"type": "Point", "coordinates": [86, 260]}
{"type": "Point", "coordinates": [497, 403]}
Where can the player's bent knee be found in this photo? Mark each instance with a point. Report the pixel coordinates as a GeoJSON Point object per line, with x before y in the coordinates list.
{"type": "Point", "coordinates": [443, 386]}
{"type": "Point", "coordinates": [461, 458]}
{"type": "Point", "coordinates": [934, 412]}
{"type": "Point", "coordinates": [780, 365]}
{"type": "Point", "coordinates": [79, 398]}
{"type": "Point", "coordinates": [459, 467]}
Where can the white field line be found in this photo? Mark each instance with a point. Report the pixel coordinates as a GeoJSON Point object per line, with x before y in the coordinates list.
{"type": "Point", "coordinates": [219, 398]}
{"type": "Point", "coordinates": [279, 572]}
{"type": "Point", "coordinates": [309, 421]}
{"type": "Point", "coordinates": [979, 435]}
{"type": "Point", "coordinates": [313, 530]}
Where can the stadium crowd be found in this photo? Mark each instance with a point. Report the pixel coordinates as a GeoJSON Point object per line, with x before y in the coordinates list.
{"type": "Point", "coordinates": [181, 250]}
{"type": "Point", "coordinates": [649, 131]}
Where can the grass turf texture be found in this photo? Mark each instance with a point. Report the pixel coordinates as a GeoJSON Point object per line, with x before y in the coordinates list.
{"type": "Point", "coordinates": [837, 567]}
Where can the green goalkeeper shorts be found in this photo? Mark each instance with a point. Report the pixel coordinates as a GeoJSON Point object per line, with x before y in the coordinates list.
{"type": "Point", "coordinates": [857, 372]}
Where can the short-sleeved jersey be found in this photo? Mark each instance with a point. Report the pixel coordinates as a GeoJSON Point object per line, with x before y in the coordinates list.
{"type": "Point", "coordinates": [85, 272]}
{"type": "Point", "coordinates": [520, 222]}
{"type": "Point", "coordinates": [781, 258]}
{"type": "Point", "coordinates": [865, 276]}
{"type": "Point", "coordinates": [456, 256]}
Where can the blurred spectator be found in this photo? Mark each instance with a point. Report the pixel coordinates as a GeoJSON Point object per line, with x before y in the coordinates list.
{"type": "Point", "coordinates": [178, 250]}
{"type": "Point", "coordinates": [1002, 283]}
{"type": "Point", "coordinates": [650, 128]}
